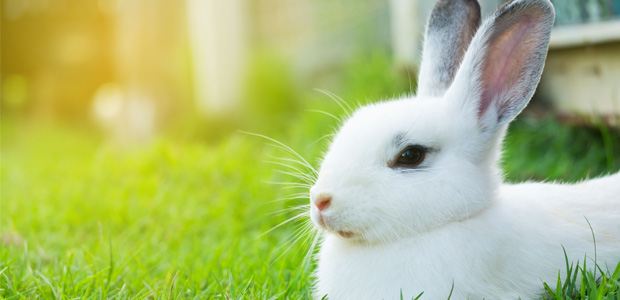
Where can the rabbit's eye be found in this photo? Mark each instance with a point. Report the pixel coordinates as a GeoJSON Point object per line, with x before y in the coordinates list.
{"type": "Point", "coordinates": [412, 156]}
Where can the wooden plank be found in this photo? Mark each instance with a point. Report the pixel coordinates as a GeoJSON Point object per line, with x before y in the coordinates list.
{"type": "Point", "coordinates": [567, 36]}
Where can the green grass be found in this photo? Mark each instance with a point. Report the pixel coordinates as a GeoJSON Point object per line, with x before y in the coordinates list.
{"type": "Point", "coordinates": [582, 283]}
{"type": "Point", "coordinates": [184, 218]}
{"type": "Point", "coordinates": [83, 220]}
{"type": "Point", "coordinates": [546, 150]}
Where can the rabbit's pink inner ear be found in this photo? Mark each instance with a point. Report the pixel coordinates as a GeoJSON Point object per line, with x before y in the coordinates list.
{"type": "Point", "coordinates": [508, 57]}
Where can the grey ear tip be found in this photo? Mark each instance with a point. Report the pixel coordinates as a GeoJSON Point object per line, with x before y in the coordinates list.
{"type": "Point", "coordinates": [544, 5]}
{"type": "Point", "coordinates": [549, 10]}
{"type": "Point", "coordinates": [473, 3]}
{"type": "Point", "coordinates": [474, 6]}
{"type": "Point", "coordinates": [548, 6]}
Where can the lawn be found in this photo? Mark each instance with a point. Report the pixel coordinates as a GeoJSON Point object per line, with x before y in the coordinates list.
{"type": "Point", "coordinates": [189, 217]}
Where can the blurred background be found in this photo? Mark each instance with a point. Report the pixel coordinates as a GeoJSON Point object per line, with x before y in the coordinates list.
{"type": "Point", "coordinates": [121, 159]}
{"type": "Point", "coordinates": [135, 69]}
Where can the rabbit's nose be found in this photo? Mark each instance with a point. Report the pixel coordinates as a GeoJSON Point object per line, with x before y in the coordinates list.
{"type": "Point", "coordinates": [323, 201]}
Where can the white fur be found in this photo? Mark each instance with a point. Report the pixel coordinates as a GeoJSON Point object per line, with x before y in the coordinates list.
{"type": "Point", "coordinates": [451, 220]}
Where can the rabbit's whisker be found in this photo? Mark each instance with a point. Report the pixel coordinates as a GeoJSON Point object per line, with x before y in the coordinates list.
{"type": "Point", "coordinates": [283, 147]}
{"type": "Point", "coordinates": [281, 163]}
{"type": "Point", "coordinates": [284, 222]}
{"type": "Point", "coordinates": [304, 207]}
{"type": "Point", "coordinates": [347, 110]}
{"type": "Point", "coordinates": [308, 257]}
{"type": "Point", "coordinates": [298, 170]}
{"type": "Point", "coordinates": [331, 135]}
{"type": "Point", "coordinates": [327, 114]}
{"type": "Point", "coordinates": [309, 168]}
{"type": "Point", "coordinates": [290, 197]}
{"type": "Point", "coordinates": [290, 184]}
{"type": "Point", "coordinates": [301, 176]}
{"type": "Point", "coordinates": [299, 234]}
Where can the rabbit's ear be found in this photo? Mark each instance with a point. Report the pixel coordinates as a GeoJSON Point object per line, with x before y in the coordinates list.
{"type": "Point", "coordinates": [503, 64]}
{"type": "Point", "coordinates": [450, 28]}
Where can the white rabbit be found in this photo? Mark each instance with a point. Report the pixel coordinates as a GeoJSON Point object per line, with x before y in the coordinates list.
{"type": "Point", "coordinates": [410, 193]}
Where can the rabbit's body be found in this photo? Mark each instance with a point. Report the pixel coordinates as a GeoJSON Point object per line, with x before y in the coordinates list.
{"type": "Point", "coordinates": [504, 252]}
{"type": "Point", "coordinates": [410, 192]}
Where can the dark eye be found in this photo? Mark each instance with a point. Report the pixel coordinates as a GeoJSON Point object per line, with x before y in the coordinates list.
{"type": "Point", "coordinates": [412, 156]}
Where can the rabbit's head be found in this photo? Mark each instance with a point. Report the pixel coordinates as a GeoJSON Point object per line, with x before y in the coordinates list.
{"type": "Point", "coordinates": [396, 169]}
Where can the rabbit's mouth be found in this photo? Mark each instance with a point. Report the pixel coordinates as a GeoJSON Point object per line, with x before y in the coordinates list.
{"type": "Point", "coordinates": [345, 234]}
{"type": "Point", "coordinates": [324, 223]}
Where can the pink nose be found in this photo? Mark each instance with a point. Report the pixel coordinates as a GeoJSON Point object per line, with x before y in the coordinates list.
{"type": "Point", "coordinates": [323, 202]}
